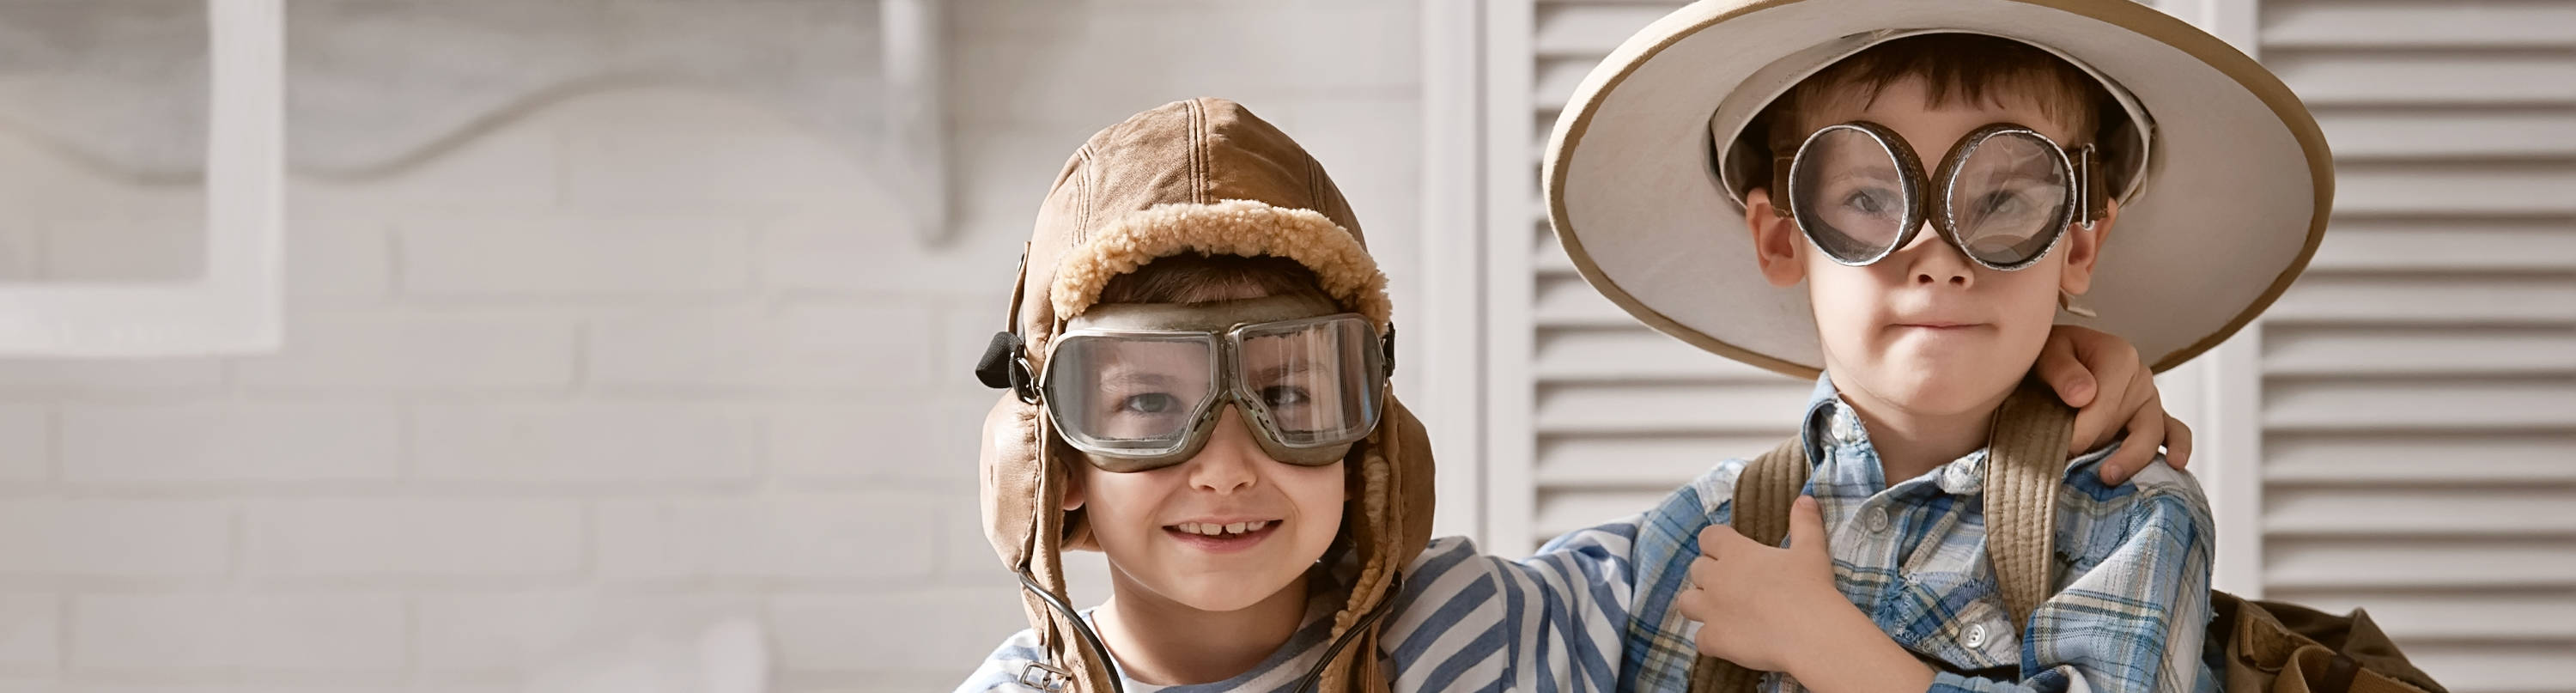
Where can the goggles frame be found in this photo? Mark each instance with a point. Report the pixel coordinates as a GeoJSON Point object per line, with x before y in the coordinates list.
{"type": "Point", "coordinates": [2086, 200]}
{"type": "Point", "coordinates": [1227, 388]}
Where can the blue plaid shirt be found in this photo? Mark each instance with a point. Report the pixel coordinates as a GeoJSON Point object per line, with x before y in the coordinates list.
{"type": "Point", "coordinates": [2131, 603]}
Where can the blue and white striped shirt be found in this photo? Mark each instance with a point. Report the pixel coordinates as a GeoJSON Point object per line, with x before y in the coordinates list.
{"type": "Point", "coordinates": [2128, 614]}
{"type": "Point", "coordinates": [1464, 621]}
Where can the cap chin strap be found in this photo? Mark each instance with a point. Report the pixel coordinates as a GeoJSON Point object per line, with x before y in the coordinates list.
{"type": "Point", "coordinates": [1315, 674]}
{"type": "Point", "coordinates": [1047, 677]}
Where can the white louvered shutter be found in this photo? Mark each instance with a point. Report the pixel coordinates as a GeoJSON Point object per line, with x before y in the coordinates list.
{"type": "Point", "coordinates": [2417, 390]}
{"type": "Point", "coordinates": [1620, 413]}
{"type": "Point", "coordinates": [2419, 384]}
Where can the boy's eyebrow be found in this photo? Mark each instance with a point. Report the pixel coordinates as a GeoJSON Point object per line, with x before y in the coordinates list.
{"type": "Point", "coordinates": [1129, 375]}
{"type": "Point", "coordinates": [1870, 172]}
{"type": "Point", "coordinates": [1301, 366]}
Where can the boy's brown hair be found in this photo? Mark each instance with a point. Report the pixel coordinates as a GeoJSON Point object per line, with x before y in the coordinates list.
{"type": "Point", "coordinates": [1200, 278]}
{"type": "Point", "coordinates": [1963, 67]}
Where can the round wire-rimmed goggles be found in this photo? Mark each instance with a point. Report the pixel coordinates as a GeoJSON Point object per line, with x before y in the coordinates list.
{"type": "Point", "coordinates": [2006, 193]}
{"type": "Point", "coordinates": [1140, 386]}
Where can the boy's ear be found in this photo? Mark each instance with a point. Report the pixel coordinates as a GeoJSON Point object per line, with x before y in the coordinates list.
{"type": "Point", "coordinates": [1776, 243]}
{"type": "Point", "coordinates": [2084, 252]}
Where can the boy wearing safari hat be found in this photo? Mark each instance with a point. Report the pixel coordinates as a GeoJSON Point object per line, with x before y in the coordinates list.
{"type": "Point", "coordinates": [1924, 189]}
{"type": "Point", "coordinates": [1198, 360]}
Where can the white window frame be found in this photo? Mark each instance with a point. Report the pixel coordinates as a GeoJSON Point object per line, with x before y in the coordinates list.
{"type": "Point", "coordinates": [233, 307]}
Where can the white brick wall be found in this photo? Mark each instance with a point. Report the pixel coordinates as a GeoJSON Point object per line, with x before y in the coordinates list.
{"type": "Point", "coordinates": [626, 363]}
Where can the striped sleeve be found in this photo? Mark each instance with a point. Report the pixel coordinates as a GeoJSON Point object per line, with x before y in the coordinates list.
{"type": "Point", "coordinates": [1549, 622]}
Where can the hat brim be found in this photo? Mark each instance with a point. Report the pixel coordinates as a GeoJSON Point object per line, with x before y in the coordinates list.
{"type": "Point", "coordinates": [2230, 208]}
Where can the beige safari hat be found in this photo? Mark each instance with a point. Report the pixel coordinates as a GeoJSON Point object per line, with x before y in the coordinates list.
{"type": "Point", "coordinates": [2223, 178]}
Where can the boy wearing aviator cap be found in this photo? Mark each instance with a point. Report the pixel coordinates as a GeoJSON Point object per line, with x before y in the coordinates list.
{"type": "Point", "coordinates": [1199, 363]}
{"type": "Point", "coordinates": [1944, 179]}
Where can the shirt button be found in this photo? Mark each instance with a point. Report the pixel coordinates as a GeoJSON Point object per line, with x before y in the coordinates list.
{"type": "Point", "coordinates": [1846, 426]}
{"type": "Point", "coordinates": [1976, 636]}
{"type": "Point", "coordinates": [1877, 520]}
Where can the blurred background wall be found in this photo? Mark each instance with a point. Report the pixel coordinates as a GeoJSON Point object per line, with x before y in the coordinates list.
{"type": "Point", "coordinates": [624, 360]}
{"type": "Point", "coordinates": [585, 385]}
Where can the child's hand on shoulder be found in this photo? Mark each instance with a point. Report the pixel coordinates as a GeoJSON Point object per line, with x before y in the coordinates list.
{"type": "Point", "coordinates": [1757, 604]}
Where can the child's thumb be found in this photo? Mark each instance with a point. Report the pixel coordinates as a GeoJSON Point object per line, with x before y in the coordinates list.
{"type": "Point", "coordinates": [1806, 525]}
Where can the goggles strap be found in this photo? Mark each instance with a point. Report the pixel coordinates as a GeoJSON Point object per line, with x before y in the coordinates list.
{"type": "Point", "coordinates": [1005, 363]}
{"type": "Point", "coordinates": [2095, 193]}
{"type": "Point", "coordinates": [1780, 201]}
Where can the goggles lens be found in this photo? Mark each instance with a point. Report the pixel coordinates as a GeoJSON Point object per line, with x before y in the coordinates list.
{"type": "Point", "coordinates": [1853, 195]}
{"type": "Point", "coordinates": [1130, 395]}
{"type": "Point", "coordinates": [1314, 383]}
{"type": "Point", "coordinates": [2008, 198]}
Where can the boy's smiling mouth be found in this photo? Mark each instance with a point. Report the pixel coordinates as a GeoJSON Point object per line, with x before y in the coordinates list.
{"type": "Point", "coordinates": [1227, 536]}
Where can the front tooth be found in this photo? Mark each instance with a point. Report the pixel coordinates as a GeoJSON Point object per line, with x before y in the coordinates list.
{"type": "Point", "coordinates": [1236, 528]}
{"type": "Point", "coordinates": [1211, 529]}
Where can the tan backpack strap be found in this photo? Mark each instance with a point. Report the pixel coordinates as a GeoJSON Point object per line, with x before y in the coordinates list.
{"type": "Point", "coordinates": [1763, 492]}
{"type": "Point", "coordinates": [2025, 466]}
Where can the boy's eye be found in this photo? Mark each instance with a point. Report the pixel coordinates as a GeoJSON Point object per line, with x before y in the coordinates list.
{"type": "Point", "coordinates": [1994, 203]}
{"type": "Point", "coordinates": [1872, 201]}
{"type": "Point", "coordinates": [1149, 403]}
{"type": "Point", "coordinates": [1283, 395]}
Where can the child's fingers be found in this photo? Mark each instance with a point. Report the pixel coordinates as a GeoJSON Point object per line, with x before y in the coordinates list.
{"type": "Point", "coordinates": [2146, 431]}
{"type": "Point", "coordinates": [2177, 442]}
{"type": "Point", "coordinates": [1718, 539]}
{"type": "Point", "coordinates": [1703, 572]}
{"type": "Point", "coordinates": [2062, 371]}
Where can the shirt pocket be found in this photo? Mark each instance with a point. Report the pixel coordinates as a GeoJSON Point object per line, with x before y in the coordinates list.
{"type": "Point", "coordinates": [1956, 620]}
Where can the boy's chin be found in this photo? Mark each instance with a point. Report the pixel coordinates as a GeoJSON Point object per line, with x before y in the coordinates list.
{"type": "Point", "coordinates": [1935, 391]}
{"type": "Point", "coordinates": [1224, 595]}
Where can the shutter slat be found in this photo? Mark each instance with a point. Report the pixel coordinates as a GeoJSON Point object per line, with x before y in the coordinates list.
{"type": "Point", "coordinates": [2441, 404]}
{"type": "Point", "coordinates": [2343, 458]}
{"type": "Point", "coordinates": [2451, 299]}
{"type": "Point", "coordinates": [1642, 462]}
{"type": "Point", "coordinates": [1634, 354]}
{"type": "Point", "coordinates": [1652, 409]}
{"type": "Point", "coordinates": [1566, 511]}
{"type": "Point", "coordinates": [2396, 563]}
{"type": "Point", "coordinates": [1566, 301]}
{"type": "Point", "coordinates": [2327, 78]}
{"type": "Point", "coordinates": [1555, 81]}
{"type": "Point", "coordinates": [2324, 350]}
{"type": "Point", "coordinates": [1591, 30]}
{"type": "Point", "coordinates": [2295, 24]}
{"type": "Point", "coordinates": [2456, 189]}
{"type": "Point", "coordinates": [2371, 134]}
{"type": "Point", "coordinates": [2390, 512]}
{"type": "Point", "coordinates": [2530, 245]}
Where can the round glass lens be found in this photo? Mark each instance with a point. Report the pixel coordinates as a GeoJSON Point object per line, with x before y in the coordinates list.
{"type": "Point", "coordinates": [1850, 195]}
{"type": "Point", "coordinates": [2009, 198]}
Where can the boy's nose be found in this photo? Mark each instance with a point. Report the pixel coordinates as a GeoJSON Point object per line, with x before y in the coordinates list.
{"type": "Point", "coordinates": [1224, 465]}
{"type": "Point", "coordinates": [1935, 261]}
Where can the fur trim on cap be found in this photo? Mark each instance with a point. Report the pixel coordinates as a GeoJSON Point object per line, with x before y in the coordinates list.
{"type": "Point", "coordinates": [1232, 227]}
